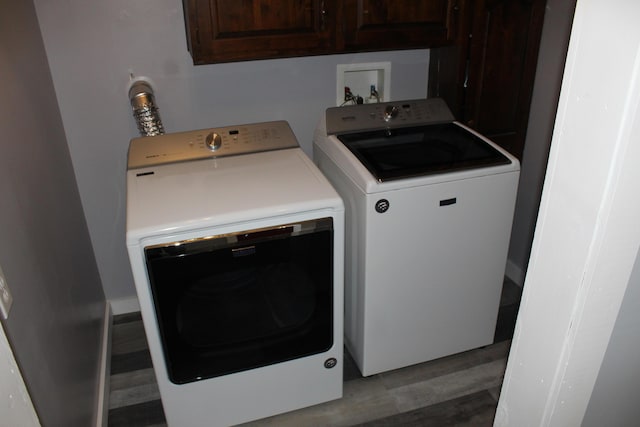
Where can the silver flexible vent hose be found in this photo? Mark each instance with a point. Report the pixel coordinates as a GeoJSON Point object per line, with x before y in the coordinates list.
{"type": "Point", "coordinates": [145, 111]}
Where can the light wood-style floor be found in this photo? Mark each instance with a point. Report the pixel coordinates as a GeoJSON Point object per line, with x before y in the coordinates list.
{"type": "Point", "coordinates": [459, 390]}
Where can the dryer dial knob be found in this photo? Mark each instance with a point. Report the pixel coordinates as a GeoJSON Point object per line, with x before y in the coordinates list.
{"type": "Point", "coordinates": [213, 141]}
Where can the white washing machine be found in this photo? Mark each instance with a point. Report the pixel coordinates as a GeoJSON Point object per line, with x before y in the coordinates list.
{"type": "Point", "coordinates": [236, 245]}
{"type": "Point", "coordinates": [429, 207]}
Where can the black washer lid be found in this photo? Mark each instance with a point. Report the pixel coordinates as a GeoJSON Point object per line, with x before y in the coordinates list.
{"type": "Point", "coordinates": [391, 154]}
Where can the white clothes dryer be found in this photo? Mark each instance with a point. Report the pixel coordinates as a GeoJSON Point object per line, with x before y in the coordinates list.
{"type": "Point", "coordinates": [429, 207]}
{"type": "Point", "coordinates": [236, 245]}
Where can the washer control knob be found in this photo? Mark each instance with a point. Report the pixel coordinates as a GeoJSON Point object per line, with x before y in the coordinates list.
{"type": "Point", "coordinates": [390, 111]}
{"type": "Point", "coordinates": [213, 141]}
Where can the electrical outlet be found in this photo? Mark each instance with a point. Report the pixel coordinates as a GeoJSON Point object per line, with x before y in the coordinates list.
{"type": "Point", "coordinates": [6, 299]}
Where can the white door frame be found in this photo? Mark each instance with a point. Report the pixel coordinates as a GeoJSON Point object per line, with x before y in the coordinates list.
{"type": "Point", "coordinates": [587, 235]}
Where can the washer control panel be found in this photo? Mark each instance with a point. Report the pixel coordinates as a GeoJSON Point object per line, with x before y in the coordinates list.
{"type": "Point", "coordinates": [384, 115]}
{"type": "Point", "coordinates": [210, 143]}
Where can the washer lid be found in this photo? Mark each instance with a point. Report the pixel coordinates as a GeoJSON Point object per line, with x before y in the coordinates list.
{"type": "Point", "coordinates": [391, 154]}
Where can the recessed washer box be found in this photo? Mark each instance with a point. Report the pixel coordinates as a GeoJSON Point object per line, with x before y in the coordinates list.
{"type": "Point", "coordinates": [360, 77]}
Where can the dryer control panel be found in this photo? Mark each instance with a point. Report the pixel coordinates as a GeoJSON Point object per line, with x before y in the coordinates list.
{"type": "Point", "coordinates": [210, 143]}
{"type": "Point", "coordinates": [385, 115]}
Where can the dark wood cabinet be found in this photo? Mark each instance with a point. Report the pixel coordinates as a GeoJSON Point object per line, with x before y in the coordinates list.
{"type": "Point", "coordinates": [487, 76]}
{"type": "Point", "coordinates": [392, 24]}
{"type": "Point", "coordinates": [237, 30]}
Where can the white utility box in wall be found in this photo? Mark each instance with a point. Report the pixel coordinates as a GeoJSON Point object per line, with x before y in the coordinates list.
{"type": "Point", "coordinates": [359, 78]}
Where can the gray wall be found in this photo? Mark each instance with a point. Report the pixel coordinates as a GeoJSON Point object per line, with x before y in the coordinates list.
{"type": "Point", "coordinates": [55, 324]}
{"type": "Point", "coordinates": [614, 400]}
{"type": "Point", "coordinates": [94, 45]}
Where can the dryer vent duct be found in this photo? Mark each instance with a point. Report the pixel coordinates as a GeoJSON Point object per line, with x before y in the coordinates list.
{"type": "Point", "coordinates": [145, 111]}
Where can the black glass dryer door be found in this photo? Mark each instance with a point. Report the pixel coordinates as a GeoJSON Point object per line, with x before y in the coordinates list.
{"type": "Point", "coordinates": [236, 302]}
{"type": "Point", "coordinates": [408, 152]}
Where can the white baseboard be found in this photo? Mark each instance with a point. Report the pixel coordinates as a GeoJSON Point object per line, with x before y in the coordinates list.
{"type": "Point", "coordinates": [515, 273]}
{"type": "Point", "coordinates": [124, 305]}
{"type": "Point", "coordinates": [102, 412]}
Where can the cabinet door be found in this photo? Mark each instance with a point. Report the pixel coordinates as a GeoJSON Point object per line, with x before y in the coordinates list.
{"type": "Point", "coordinates": [487, 76]}
{"type": "Point", "coordinates": [398, 24]}
{"type": "Point", "coordinates": [236, 30]}
{"type": "Point", "coordinates": [502, 63]}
